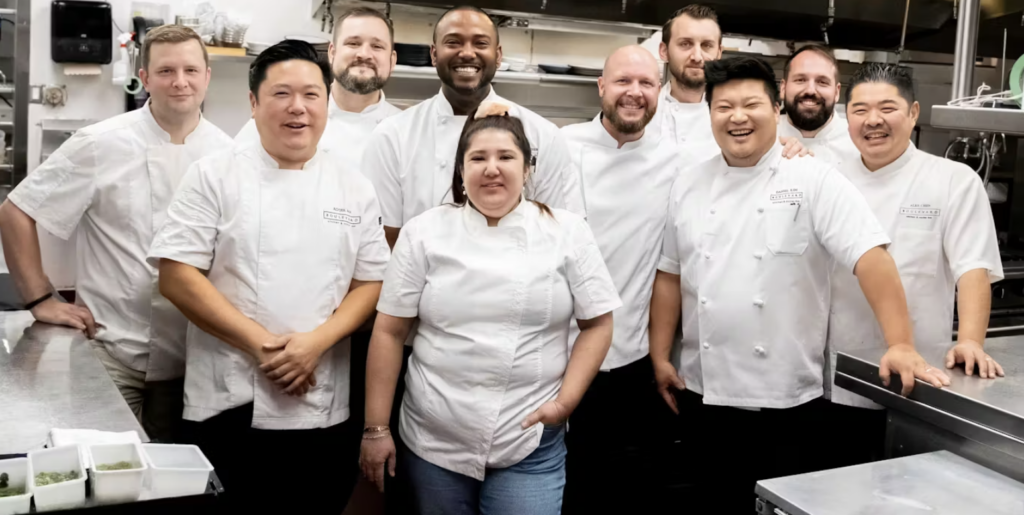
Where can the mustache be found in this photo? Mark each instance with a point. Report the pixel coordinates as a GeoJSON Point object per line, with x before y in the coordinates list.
{"type": "Point", "coordinates": [369, 63]}
{"type": "Point", "coordinates": [810, 96]}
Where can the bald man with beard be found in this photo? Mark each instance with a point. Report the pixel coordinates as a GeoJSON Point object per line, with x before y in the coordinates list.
{"type": "Point", "coordinates": [627, 172]}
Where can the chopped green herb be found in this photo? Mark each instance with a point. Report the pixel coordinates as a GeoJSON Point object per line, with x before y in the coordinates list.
{"type": "Point", "coordinates": [11, 492]}
{"type": "Point", "coordinates": [52, 478]}
{"type": "Point", "coordinates": [121, 465]}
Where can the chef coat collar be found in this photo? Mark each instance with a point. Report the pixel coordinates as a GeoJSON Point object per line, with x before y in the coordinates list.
{"type": "Point", "coordinates": [444, 108]}
{"type": "Point", "coordinates": [336, 112]}
{"type": "Point", "coordinates": [666, 96]}
{"type": "Point", "coordinates": [604, 139]}
{"type": "Point", "coordinates": [159, 132]}
{"type": "Point", "coordinates": [476, 221]}
{"type": "Point", "coordinates": [770, 161]}
{"type": "Point", "coordinates": [269, 162]}
{"type": "Point", "coordinates": [892, 167]}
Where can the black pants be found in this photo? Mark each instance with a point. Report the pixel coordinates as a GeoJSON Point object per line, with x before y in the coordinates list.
{"type": "Point", "coordinates": [858, 435]}
{"type": "Point", "coordinates": [731, 448]}
{"type": "Point", "coordinates": [618, 444]}
{"type": "Point", "coordinates": [279, 471]}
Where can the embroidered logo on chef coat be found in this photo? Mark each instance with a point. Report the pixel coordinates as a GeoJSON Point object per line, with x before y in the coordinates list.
{"type": "Point", "coordinates": [340, 216]}
{"type": "Point", "coordinates": [920, 212]}
{"type": "Point", "coordinates": [787, 196]}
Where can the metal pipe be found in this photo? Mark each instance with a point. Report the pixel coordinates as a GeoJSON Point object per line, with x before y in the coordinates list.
{"type": "Point", "coordinates": [22, 37]}
{"type": "Point", "coordinates": [966, 47]}
{"type": "Point", "coordinates": [903, 34]}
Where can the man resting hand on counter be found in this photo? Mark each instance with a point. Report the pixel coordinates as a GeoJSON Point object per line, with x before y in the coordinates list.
{"type": "Point", "coordinates": [275, 253]}
{"type": "Point", "coordinates": [110, 184]}
{"type": "Point", "coordinates": [747, 254]}
{"type": "Point", "coordinates": [943, 240]}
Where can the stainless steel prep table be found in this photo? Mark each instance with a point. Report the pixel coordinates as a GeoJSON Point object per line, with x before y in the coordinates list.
{"type": "Point", "coordinates": [979, 419]}
{"type": "Point", "coordinates": [938, 483]}
{"type": "Point", "coordinates": [49, 377]}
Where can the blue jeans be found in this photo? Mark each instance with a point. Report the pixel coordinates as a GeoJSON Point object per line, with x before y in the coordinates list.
{"type": "Point", "coordinates": [532, 486]}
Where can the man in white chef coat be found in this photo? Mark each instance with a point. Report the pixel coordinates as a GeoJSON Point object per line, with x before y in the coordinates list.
{"type": "Point", "coordinates": [689, 39]}
{"type": "Point", "coordinates": [626, 175]}
{"type": "Point", "coordinates": [111, 183]}
{"type": "Point", "coordinates": [810, 90]}
{"type": "Point", "coordinates": [944, 244]}
{"type": "Point", "coordinates": [275, 253]}
{"type": "Point", "coordinates": [410, 157]}
{"type": "Point", "coordinates": [362, 57]}
{"type": "Point", "coordinates": [747, 255]}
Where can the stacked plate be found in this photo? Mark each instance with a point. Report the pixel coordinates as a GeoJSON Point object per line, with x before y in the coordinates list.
{"type": "Point", "coordinates": [322, 45]}
{"type": "Point", "coordinates": [413, 55]}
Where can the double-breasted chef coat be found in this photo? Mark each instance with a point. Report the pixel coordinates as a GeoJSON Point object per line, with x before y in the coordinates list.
{"type": "Point", "coordinates": [111, 182]}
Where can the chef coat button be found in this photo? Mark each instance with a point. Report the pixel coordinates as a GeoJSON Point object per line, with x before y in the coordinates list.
{"type": "Point", "coordinates": [758, 255]}
{"type": "Point", "coordinates": [703, 300]}
{"type": "Point", "coordinates": [707, 345]}
{"type": "Point", "coordinates": [760, 210]}
{"type": "Point", "coordinates": [759, 350]}
{"type": "Point", "coordinates": [707, 255]}
{"type": "Point", "coordinates": [712, 210]}
{"type": "Point", "coordinates": [443, 163]}
{"type": "Point", "coordinates": [759, 303]}
{"type": "Point", "coordinates": [444, 121]}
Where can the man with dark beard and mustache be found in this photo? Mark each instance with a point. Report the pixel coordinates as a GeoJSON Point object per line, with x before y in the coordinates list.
{"type": "Point", "coordinates": [689, 39]}
{"type": "Point", "coordinates": [627, 173]}
{"type": "Point", "coordinates": [810, 90]}
{"type": "Point", "coordinates": [410, 157]}
{"type": "Point", "coordinates": [362, 56]}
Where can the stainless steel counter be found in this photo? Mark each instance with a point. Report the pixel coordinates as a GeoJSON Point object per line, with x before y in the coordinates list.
{"type": "Point", "coordinates": [50, 378]}
{"type": "Point", "coordinates": [938, 483]}
{"type": "Point", "coordinates": [979, 419]}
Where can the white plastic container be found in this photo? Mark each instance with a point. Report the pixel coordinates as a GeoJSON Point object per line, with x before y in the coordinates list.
{"type": "Point", "coordinates": [69, 494]}
{"type": "Point", "coordinates": [17, 477]}
{"type": "Point", "coordinates": [176, 470]}
{"type": "Point", "coordinates": [116, 486]}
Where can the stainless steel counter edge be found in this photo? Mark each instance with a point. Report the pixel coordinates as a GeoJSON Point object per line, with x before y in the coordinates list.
{"type": "Point", "coordinates": [51, 378]}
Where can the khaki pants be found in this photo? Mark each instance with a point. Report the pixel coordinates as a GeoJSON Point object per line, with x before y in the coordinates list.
{"type": "Point", "coordinates": [156, 404]}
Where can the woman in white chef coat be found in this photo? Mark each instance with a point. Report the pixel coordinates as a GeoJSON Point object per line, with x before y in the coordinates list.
{"type": "Point", "coordinates": [275, 253]}
{"type": "Point", "coordinates": [493, 281]}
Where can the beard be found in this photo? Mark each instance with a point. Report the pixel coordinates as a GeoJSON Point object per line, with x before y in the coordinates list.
{"type": "Point", "coordinates": [610, 112]}
{"type": "Point", "coordinates": [808, 119]}
{"type": "Point", "coordinates": [360, 85]}
{"type": "Point", "coordinates": [685, 80]}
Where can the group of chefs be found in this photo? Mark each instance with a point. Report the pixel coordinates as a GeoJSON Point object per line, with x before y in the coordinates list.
{"type": "Point", "coordinates": [531, 279]}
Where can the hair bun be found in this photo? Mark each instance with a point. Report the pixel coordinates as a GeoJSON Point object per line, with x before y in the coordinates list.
{"type": "Point", "coordinates": [489, 108]}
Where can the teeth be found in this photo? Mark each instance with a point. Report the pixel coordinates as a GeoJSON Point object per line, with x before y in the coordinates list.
{"type": "Point", "coordinates": [466, 70]}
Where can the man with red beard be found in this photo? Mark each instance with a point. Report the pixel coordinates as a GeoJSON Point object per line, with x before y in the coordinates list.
{"type": "Point", "coordinates": [810, 89]}
{"type": "Point", "coordinates": [627, 173]}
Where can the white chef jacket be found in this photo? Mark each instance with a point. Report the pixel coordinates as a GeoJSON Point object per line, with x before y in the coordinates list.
{"type": "Point", "coordinates": [283, 246]}
{"type": "Point", "coordinates": [940, 221]}
{"type": "Point", "coordinates": [625, 191]}
{"type": "Point", "coordinates": [346, 132]}
{"type": "Point", "coordinates": [494, 305]}
{"type": "Point", "coordinates": [688, 125]}
{"type": "Point", "coordinates": [113, 181]}
{"type": "Point", "coordinates": [753, 248]}
{"type": "Point", "coordinates": [410, 159]}
{"type": "Point", "coordinates": [832, 144]}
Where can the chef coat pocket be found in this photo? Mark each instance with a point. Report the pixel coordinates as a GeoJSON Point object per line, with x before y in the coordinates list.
{"type": "Point", "coordinates": [917, 252]}
{"type": "Point", "coordinates": [786, 230]}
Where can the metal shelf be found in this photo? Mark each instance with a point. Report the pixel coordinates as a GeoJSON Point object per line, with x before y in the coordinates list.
{"type": "Point", "coordinates": [232, 58]}
{"type": "Point", "coordinates": [983, 119]}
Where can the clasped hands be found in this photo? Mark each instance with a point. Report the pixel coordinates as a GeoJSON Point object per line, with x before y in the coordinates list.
{"type": "Point", "coordinates": [290, 360]}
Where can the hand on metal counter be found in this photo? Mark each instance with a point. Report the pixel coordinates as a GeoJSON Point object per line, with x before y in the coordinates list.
{"type": "Point", "coordinates": [52, 311]}
{"type": "Point", "coordinates": [970, 352]}
{"type": "Point", "coordinates": [909, 364]}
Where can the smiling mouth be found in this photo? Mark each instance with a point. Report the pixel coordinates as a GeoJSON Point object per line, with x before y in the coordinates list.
{"type": "Point", "coordinates": [466, 70]}
{"type": "Point", "coordinates": [295, 126]}
{"type": "Point", "coordinates": [493, 186]}
{"type": "Point", "coordinates": [739, 133]}
{"type": "Point", "coordinates": [875, 136]}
